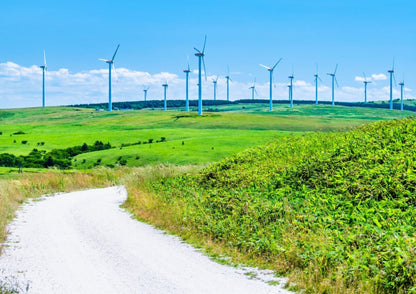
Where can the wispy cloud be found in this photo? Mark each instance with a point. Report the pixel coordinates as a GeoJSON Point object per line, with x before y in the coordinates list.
{"type": "Point", "coordinates": [379, 77]}
{"type": "Point", "coordinates": [22, 87]}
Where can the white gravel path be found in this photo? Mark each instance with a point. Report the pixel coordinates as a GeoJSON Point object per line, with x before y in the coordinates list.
{"type": "Point", "coordinates": [83, 242]}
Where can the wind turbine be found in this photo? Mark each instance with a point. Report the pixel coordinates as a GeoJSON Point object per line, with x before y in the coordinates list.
{"type": "Point", "coordinates": [200, 55]}
{"type": "Point", "coordinates": [165, 86]}
{"type": "Point", "coordinates": [291, 90]}
{"type": "Point", "coordinates": [391, 72]}
{"type": "Point", "coordinates": [145, 93]}
{"type": "Point", "coordinates": [270, 69]}
{"type": "Point", "coordinates": [333, 79]}
{"type": "Point", "coordinates": [214, 81]}
{"type": "Point", "coordinates": [110, 65]}
{"type": "Point", "coordinates": [228, 78]}
{"type": "Point", "coordinates": [365, 88]}
{"type": "Point", "coordinates": [401, 94]}
{"type": "Point", "coordinates": [44, 68]}
{"type": "Point", "coordinates": [316, 84]}
{"type": "Point", "coordinates": [187, 71]}
{"type": "Point", "coordinates": [253, 89]}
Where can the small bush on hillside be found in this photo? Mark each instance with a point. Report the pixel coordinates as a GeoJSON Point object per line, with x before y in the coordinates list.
{"type": "Point", "coordinates": [19, 133]}
{"type": "Point", "coordinates": [24, 142]}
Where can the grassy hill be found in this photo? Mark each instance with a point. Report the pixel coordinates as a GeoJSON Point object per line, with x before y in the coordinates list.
{"type": "Point", "coordinates": [188, 138]}
{"type": "Point", "coordinates": [333, 211]}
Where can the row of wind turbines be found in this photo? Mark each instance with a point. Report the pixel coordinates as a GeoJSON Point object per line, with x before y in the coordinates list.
{"type": "Point", "coordinates": [201, 62]}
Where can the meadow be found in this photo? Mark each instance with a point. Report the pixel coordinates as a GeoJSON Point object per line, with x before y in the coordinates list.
{"type": "Point", "coordinates": [147, 137]}
{"type": "Point", "coordinates": [286, 205]}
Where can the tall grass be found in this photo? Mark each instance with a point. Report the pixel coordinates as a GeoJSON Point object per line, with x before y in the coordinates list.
{"type": "Point", "coordinates": [334, 212]}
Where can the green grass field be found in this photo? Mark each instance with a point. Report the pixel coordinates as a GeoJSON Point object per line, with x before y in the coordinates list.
{"type": "Point", "coordinates": [242, 183]}
{"type": "Point", "coordinates": [190, 139]}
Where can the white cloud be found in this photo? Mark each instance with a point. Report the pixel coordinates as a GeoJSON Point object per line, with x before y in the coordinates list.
{"type": "Point", "coordinates": [22, 87]}
{"type": "Point", "coordinates": [379, 77]}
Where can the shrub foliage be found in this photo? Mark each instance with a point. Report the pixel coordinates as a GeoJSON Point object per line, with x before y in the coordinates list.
{"type": "Point", "coordinates": [336, 212]}
{"type": "Point", "coordinates": [61, 158]}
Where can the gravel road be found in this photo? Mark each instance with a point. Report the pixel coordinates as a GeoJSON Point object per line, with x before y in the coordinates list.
{"type": "Point", "coordinates": [83, 242]}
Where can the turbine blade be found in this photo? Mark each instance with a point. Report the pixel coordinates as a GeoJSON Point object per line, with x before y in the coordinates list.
{"type": "Point", "coordinates": [118, 46]}
{"type": "Point", "coordinates": [277, 63]}
{"type": "Point", "coordinates": [115, 73]}
{"type": "Point", "coordinates": [365, 77]}
{"type": "Point", "coordinates": [197, 50]}
{"type": "Point", "coordinates": [320, 78]}
{"type": "Point", "coordinates": [102, 59]}
{"type": "Point", "coordinates": [255, 91]}
{"type": "Point", "coordinates": [336, 82]}
{"type": "Point", "coordinates": [205, 70]}
{"type": "Point", "coordinates": [44, 58]}
{"type": "Point", "coordinates": [266, 67]}
{"type": "Point", "coordinates": [393, 65]}
{"type": "Point", "coordinates": [394, 78]}
{"type": "Point", "coordinates": [336, 67]}
{"type": "Point", "coordinates": [205, 42]}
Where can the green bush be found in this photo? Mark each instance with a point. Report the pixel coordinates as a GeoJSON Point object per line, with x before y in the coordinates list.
{"type": "Point", "coordinates": [334, 211]}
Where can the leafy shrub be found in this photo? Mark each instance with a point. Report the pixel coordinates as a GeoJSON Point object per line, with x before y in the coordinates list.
{"type": "Point", "coordinates": [57, 157]}
{"type": "Point", "coordinates": [19, 133]}
{"type": "Point", "coordinates": [334, 211]}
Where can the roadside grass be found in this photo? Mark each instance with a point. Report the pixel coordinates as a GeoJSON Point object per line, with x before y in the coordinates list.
{"type": "Point", "coordinates": [334, 212]}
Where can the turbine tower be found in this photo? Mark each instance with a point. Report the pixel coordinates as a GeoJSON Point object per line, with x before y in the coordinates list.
{"type": "Point", "coordinates": [187, 71]}
{"type": "Point", "coordinates": [214, 81]}
{"type": "Point", "coordinates": [270, 69]}
{"type": "Point", "coordinates": [391, 72]}
{"type": "Point", "coordinates": [200, 55]}
{"type": "Point", "coordinates": [316, 84]}
{"type": "Point", "coordinates": [291, 90]}
{"type": "Point", "coordinates": [44, 68]}
{"type": "Point", "coordinates": [145, 93]}
{"type": "Point", "coordinates": [253, 89]}
{"type": "Point", "coordinates": [165, 105]}
{"type": "Point", "coordinates": [110, 65]}
{"type": "Point", "coordinates": [228, 78]}
{"type": "Point", "coordinates": [365, 88]}
{"type": "Point", "coordinates": [401, 94]}
{"type": "Point", "coordinates": [333, 79]}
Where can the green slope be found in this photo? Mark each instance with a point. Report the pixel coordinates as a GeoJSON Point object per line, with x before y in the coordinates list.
{"type": "Point", "coordinates": [335, 212]}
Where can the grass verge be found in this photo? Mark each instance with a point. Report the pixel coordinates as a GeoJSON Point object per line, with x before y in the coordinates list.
{"type": "Point", "coordinates": [334, 212]}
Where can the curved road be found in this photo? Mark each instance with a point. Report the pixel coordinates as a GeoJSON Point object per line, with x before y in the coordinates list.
{"type": "Point", "coordinates": [83, 242]}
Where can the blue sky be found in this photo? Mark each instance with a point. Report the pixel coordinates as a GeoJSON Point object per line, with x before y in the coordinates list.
{"type": "Point", "coordinates": [156, 38]}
